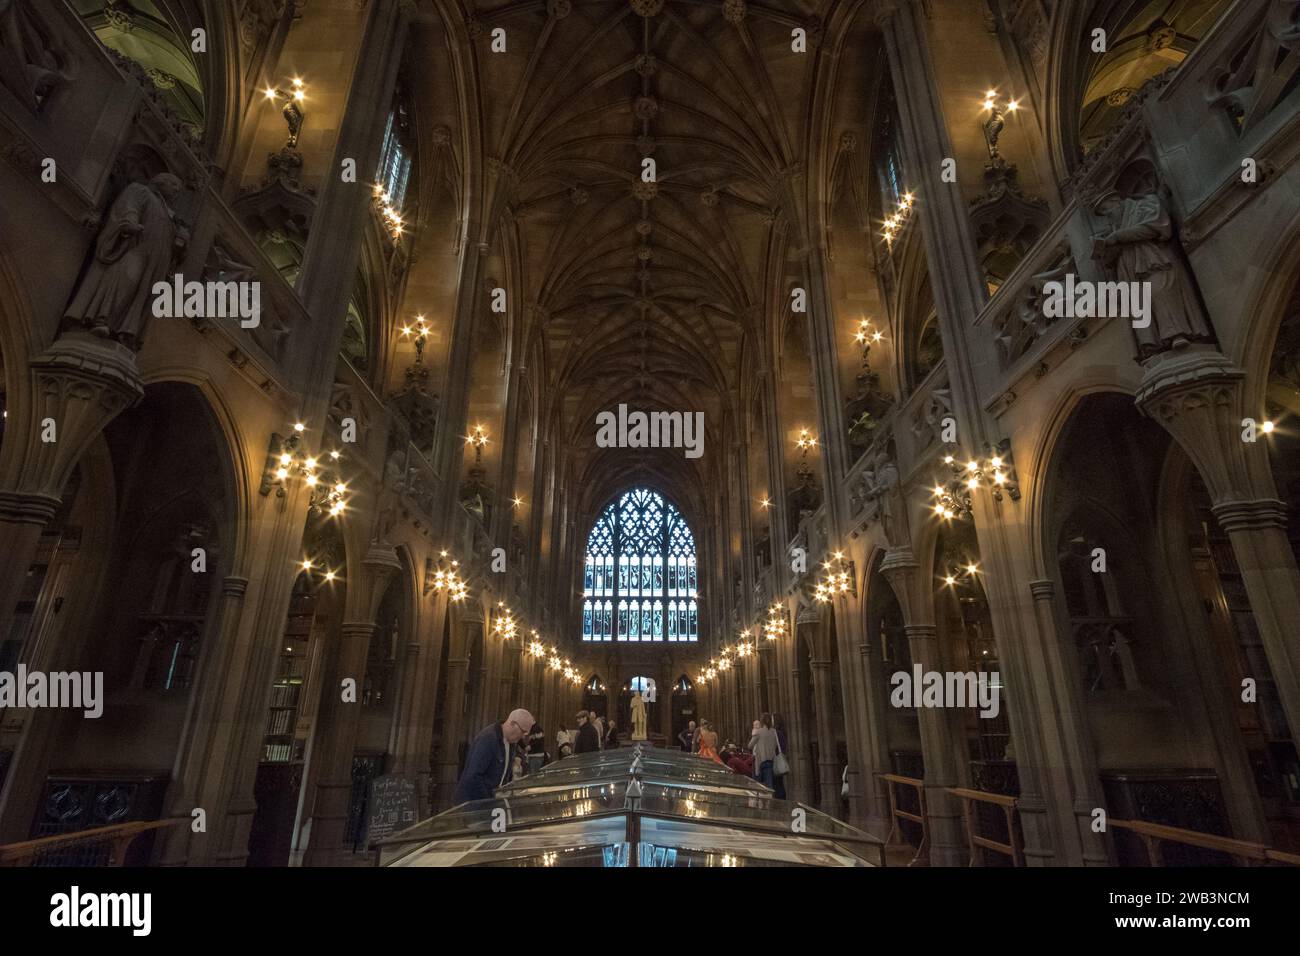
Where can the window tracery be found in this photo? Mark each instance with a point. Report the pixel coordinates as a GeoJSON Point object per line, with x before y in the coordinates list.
{"type": "Point", "coordinates": [639, 576]}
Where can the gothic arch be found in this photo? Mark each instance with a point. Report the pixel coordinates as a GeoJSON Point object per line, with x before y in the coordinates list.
{"type": "Point", "coordinates": [1072, 65]}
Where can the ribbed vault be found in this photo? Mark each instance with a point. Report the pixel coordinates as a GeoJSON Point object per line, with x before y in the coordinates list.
{"type": "Point", "coordinates": [645, 293]}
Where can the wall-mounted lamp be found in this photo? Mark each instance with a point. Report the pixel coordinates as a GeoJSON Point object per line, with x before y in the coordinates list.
{"type": "Point", "coordinates": [996, 470]}
{"type": "Point", "coordinates": [839, 577]}
{"type": "Point", "coordinates": [996, 120]}
{"type": "Point", "coordinates": [418, 332]}
{"type": "Point", "coordinates": [505, 625]}
{"type": "Point", "coordinates": [445, 576]}
{"type": "Point", "coordinates": [775, 625]}
{"type": "Point", "coordinates": [292, 108]}
{"type": "Point", "coordinates": [895, 222]}
{"type": "Point", "coordinates": [478, 439]}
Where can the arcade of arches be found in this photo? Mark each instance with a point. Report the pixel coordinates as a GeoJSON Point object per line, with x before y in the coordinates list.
{"type": "Point", "coordinates": [802, 251]}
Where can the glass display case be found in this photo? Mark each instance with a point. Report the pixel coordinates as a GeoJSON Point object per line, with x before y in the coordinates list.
{"type": "Point", "coordinates": [637, 806]}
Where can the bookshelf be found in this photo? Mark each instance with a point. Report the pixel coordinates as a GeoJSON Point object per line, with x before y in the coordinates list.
{"type": "Point", "coordinates": [279, 744]}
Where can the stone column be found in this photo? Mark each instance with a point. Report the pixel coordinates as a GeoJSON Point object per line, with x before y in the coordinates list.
{"type": "Point", "coordinates": [453, 713]}
{"type": "Point", "coordinates": [414, 724]}
{"type": "Point", "coordinates": [940, 749]}
{"type": "Point", "coordinates": [82, 383]}
{"type": "Point", "coordinates": [973, 368]}
{"type": "Point", "coordinates": [771, 665]}
{"type": "Point", "coordinates": [827, 765]}
{"type": "Point", "coordinates": [799, 787]}
{"type": "Point", "coordinates": [336, 742]}
{"type": "Point", "coordinates": [185, 793]}
{"type": "Point", "coordinates": [334, 245]}
{"type": "Point", "coordinates": [1066, 727]}
{"type": "Point", "coordinates": [1197, 395]}
{"type": "Point", "coordinates": [864, 691]}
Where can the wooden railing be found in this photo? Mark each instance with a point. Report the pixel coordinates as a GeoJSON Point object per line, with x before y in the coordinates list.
{"type": "Point", "coordinates": [896, 814]}
{"type": "Point", "coordinates": [100, 846]}
{"type": "Point", "coordinates": [1242, 851]}
{"type": "Point", "coordinates": [969, 798]}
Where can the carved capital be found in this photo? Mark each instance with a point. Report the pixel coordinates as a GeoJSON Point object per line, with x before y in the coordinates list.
{"type": "Point", "coordinates": [82, 383]}
{"type": "Point", "coordinates": [1042, 590]}
{"type": "Point", "coordinates": [1251, 515]}
{"type": "Point", "coordinates": [377, 568]}
{"type": "Point", "coordinates": [901, 570]}
{"type": "Point", "coordinates": [1197, 394]}
{"type": "Point", "coordinates": [17, 507]}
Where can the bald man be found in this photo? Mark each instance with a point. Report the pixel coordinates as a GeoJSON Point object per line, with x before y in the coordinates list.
{"type": "Point", "coordinates": [491, 757]}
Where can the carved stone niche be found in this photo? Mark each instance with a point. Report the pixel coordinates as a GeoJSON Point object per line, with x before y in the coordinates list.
{"type": "Point", "coordinates": [281, 205]}
{"type": "Point", "coordinates": [1139, 243]}
{"type": "Point", "coordinates": [928, 418]}
{"type": "Point", "coordinates": [1020, 326]}
{"type": "Point", "coordinates": [343, 405]}
{"type": "Point", "coordinates": [1007, 222]}
{"type": "Point", "coordinates": [418, 406]}
{"type": "Point", "coordinates": [221, 265]}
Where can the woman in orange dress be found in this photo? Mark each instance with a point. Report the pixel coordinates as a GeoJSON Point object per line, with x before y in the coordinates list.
{"type": "Point", "coordinates": [709, 742]}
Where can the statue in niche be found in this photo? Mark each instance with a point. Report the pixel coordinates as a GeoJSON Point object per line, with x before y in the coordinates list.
{"type": "Point", "coordinates": [1141, 247]}
{"type": "Point", "coordinates": [638, 717]}
{"type": "Point", "coordinates": [135, 249]}
{"type": "Point", "coordinates": [885, 489]}
{"type": "Point", "coordinates": [28, 67]}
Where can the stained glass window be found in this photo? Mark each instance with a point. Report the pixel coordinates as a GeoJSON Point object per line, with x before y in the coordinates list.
{"type": "Point", "coordinates": [640, 552]}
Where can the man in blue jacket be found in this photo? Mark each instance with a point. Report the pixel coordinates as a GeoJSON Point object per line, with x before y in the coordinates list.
{"type": "Point", "coordinates": [491, 757]}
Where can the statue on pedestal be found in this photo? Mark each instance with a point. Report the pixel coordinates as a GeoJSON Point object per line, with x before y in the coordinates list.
{"type": "Point", "coordinates": [134, 250]}
{"type": "Point", "coordinates": [638, 717]}
{"type": "Point", "coordinates": [1141, 246]}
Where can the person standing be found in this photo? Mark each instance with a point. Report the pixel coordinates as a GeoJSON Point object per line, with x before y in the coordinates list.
{"type": "Point", "coordinates": [709, 742]}
{"type": "Point", "coordinates": [588, 741]}
{"type": "Point", "coordinates": [687, 737]}
{"type": "Point", "coordinates": [598, 722]}
{"type": "Point", "coordinates": [536, 749]}
{"type": "Point", "coordinates": [764, 745]}
{"type": "Point", "coordinates": [491, 757]}
{"type": "Point", "coordinates": [611, 736]}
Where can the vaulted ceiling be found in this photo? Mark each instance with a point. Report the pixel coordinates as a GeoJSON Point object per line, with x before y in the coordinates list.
{"type": "Point", "coordinates": [648, 293]}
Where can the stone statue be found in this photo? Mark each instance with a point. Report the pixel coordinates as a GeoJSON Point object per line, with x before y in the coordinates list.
{"type": "Point", "coordinates": [638, 717]}
{"type": "Point", "coordinates": [1141, 245]}
{"type": "Point", "coordinates": [28, 68]}
{"type": "Point", "coordinates": [134, 250]}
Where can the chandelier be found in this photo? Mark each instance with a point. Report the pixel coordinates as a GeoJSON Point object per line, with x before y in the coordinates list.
{"type": "Point", "coordinates": [895, 222]}
{"type": "Point", "coordinates": [505, 625]}
{"type": "Point", "coordinates": [774, 627]}
{"type": "Point", "coordinates": [837, 578]}
{"type": "Point", "coordinates": [446, 578]}
{"type": "Point", "coordinates": [995, 471]}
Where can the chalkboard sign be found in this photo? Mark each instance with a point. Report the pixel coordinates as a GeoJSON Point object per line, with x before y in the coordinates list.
{"type": "Point", "coordinates": [393, 806]}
